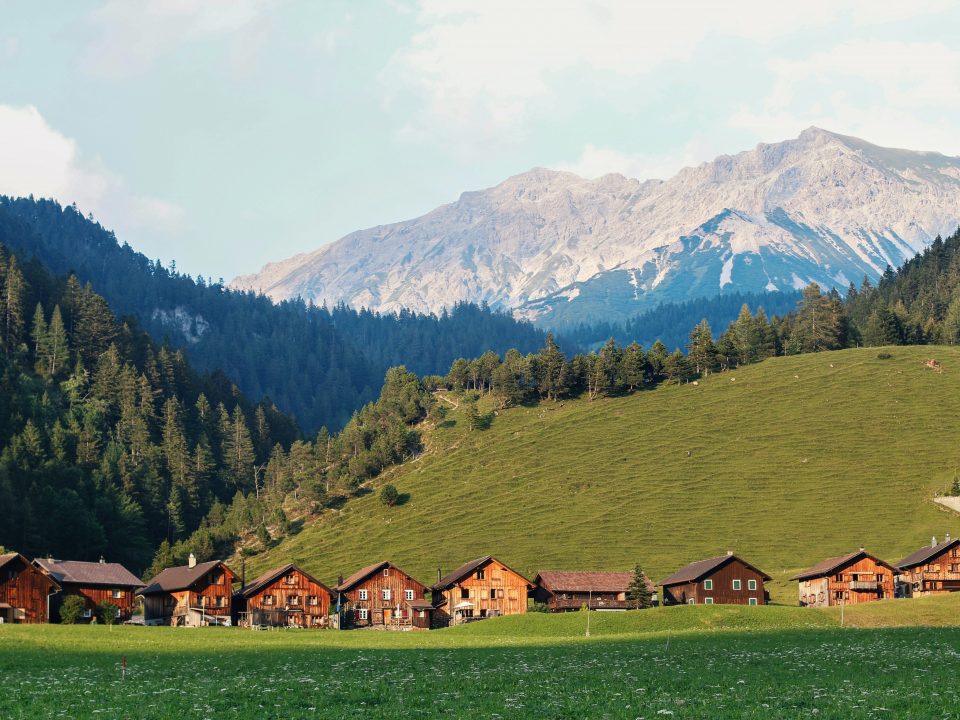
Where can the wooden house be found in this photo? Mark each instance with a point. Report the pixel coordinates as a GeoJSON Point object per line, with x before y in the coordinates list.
{"type": "Point", "coordinates": [95, 583]}
{"type": "Point", "coordinates": [933, 569]}
{"type": "Point", "coordinates": [479, 589]}
{"type": "Point", "coordinates": [846, 580]}
{"type": "Point", "coordinates": [724, 580]}
{"type": "Point", "coordinates": [191, 595]}
{"type": "Point", "coordinates": [564, 591]}
{"type": "Point", "coordinates": [382, 595]}
{"type": "Point", "coordinates": [284, 597]}
{"type": "Point", "coordinates": [24, 591]}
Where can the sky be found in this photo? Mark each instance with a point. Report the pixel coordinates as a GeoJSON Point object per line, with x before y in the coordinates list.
{"type": "Point", "coordinates": [224, 134]}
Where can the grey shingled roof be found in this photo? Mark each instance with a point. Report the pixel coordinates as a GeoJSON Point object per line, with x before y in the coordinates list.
{"type": "Point", "coordinates": [828, 566]}
{"type": "Point", "coordinates": [696, 570]}
{"type": "Point", "coordinates": [271, 576]}
{"type": "Point", "coordinates": [452, 578]}
{"type": "Point", "coordinates": [88, 573]}
{"type": "Point", "coordinates": [926, 553]}
{"type": "Point", "coordinates": [179, 578]}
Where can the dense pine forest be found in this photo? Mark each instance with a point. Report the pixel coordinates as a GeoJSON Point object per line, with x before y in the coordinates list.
{"type": "Point", "coordinates": [318, 364]}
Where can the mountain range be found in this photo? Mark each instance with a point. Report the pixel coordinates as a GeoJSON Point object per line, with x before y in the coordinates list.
{"type": "Point", "coordinates": [560, 249]}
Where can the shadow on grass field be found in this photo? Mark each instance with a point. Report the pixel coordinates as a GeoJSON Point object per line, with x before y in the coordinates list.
{"type": "Point", "coordinates": [683, 662]}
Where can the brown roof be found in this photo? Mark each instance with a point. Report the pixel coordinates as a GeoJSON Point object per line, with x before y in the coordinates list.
{"type": "Point", "coordinates": [585, 581]}
{"type": "Point", "coordinates": [927, 552]}
{"type": "Point", "coordinates": [696, 570]}
{"type": "Point", "coordinates": [828, 566]}
{"type": "Point", "coordinates": [7, 558]}
{"type": "Point", "coordinates": [271, 575]}
{"type": "Point", "coordinates": [180, 578]}
{"type": "Point", "coordinates": [419, 604]}
{"type": "Point", "coordinates": [451, 578]}
{"type": "Point", "coordinates": [361, 574]}
{"type": "Point", "coordinates": [88, 573]}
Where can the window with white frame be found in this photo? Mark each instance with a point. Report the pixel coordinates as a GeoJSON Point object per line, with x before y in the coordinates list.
{"type": "Point", "coordinates": [737, 585]}
{"type": "Point", "coordinates": [408, 594]}
{"type": "Point", "coordinates": [116, 594]}
{"type": "Point", "coordinates": [708, 584]}
{"type": "Point", "coordinates": [386, 572]}
{"type": "Point", "coordinates": [708, 601]}
{"type": "Point", "coordinates": [362, 594]}
{"type": "Point", "coordinates": [385, 593]}
{"type": "Point", "coordinates": [753, 601]}
{"type": "Point", "coordinates": [691, 601]}
{"type": "Point", "coordinates": [362, 613]}
{"type": "Point", "coordinates": [88, 613]}
{"type": "Point", "coordinates": [313, 600]}
{"type": "Point", "coordinates": [751, 584]}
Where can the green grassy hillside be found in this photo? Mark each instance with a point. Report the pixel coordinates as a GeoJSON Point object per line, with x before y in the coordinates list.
{"type": "Point", "coordinates": [785, 462]}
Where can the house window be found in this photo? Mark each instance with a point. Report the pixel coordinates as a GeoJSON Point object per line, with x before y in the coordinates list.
{"type": "Point", "coordinates": [362, 613]}
{"type": "Point", "coordinates": [313, 600]}
{"type": "Point", "coordinates": [291, 579]}
{"type": "Point", "coordinates": [493, 593]}
{"type": "Point", "coordinates": [708, 584]}
{"type": "Point", "coordinates": [268, 599]}
{"type": "Point", "coordinates": [362, 594]}
{"type": "Point", "coordinates": [386, 572]}
{"type": "Point", "coordinates": [88, 613]}
{"type": "Point", "coordinates": [737, 585]}
{"type": "Point", "coordinates": [421, 613]}
{"type": "Point", "coordinates": [691, 601]}
{"type": "Point", "coordinates": [221, 601]}
{"type": "Point", "coordinates": [954, 567]}
{"type": "Point", "coordinates": [408, 594]}
{"type": "Point", "coordinates": [753, 601]}
{"type": "Point", "coordinates": [465, 593]}
{"type": "Point", "coordinates": [708, 601]}
{"type": "Point", "coordinates": [751, 584]}
{"type": "Point", "coordinates": [293, 600]}
{"type": "Point", "coordinates": [480, 575]}
{"type": "Point", "coordinates": [217, 579]}
{"type": "Point", "coordinates": [385, 593]}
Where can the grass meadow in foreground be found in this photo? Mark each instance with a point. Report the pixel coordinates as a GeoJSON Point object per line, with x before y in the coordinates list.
{"type": "Point", "coordinates": [676, 662]}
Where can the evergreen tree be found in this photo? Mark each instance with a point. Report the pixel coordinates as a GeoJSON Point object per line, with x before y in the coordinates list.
{"type": "Point", "coordinates": [702, 351]}
{"type": "Point", "coordinates": [58, 350]}
{"type": "Point", "coordinates": [639, 595]}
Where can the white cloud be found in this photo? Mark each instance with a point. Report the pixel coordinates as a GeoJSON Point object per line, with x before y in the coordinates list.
{"type": "Point", "coordinates": [892, 93]}
{"type": "Point", "coordinates": [596, 161]}
{"type": "Point", "coordinates": [483, 64]}
{"type": "Point", "coordinates": [37, 160]}
{"type": "Point", "coordinates": [132, 34]}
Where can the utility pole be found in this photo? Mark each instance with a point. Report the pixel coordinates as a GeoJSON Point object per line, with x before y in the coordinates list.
{"type": "Point", "coordinates": [589, 603]}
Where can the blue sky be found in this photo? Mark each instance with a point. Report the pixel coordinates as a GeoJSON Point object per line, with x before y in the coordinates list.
{"type": "Point", "coordinates": [228, 133]}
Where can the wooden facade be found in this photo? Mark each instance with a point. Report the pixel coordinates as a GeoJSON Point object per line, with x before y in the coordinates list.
{"type": "Point", "coordinates": [931, 570]}
{"type": "Point", "coordinates": [565, 591]}
{"type": "Point", "coordinates": [190, 595]}
{"type": "Point", "coordinates": [285, 596]}
{"type": "Point", "coordinates": [95, 583]}
{"type": "Point", "coordinates": [479, 589]}
{"type": "Point", "coordinates": [724, 580]}
{"type": "Point", "coordinates": [846, 580]}
{"type": "Point", "coordinates": [24, 591]}
{"type": "Point", "coordinates": [383, 596]}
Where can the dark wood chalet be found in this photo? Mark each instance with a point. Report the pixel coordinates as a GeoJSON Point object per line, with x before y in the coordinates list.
{"type": "Point", "coordinates": [24, 591]}
{"type": "Point", "coordinates": [563, 590]}
{"type": "Point", "coordinates": [382, 595]}
{"type": "Point", "coordinates": [724, 580]}
{"type": "Point", "coordinates": [479, 589]}
{"type": "Point", "coordinates": [846, 580]}
{"type": "Point", "coordinates": [284, 597]}
{"type": "Point", "coordinates": [932, 569]}
{"type": "Point", "coordinates": [95, 583]}
{"type": "Point", "coordinates": [191, 595]}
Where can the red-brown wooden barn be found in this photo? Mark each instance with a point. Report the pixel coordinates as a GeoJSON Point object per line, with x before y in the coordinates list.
{"type": "Point", "coordinates": [857, 577]}
{"type": "Point", "coordinates": [285, 596]}
{"type": "Point", "coordinates": [95, 583]}
{"type": "Point", "coordinates": [479, 589]}
{"type": "Point", "coordinates": [383, 595]}
{"type": "Point", "coordinates": [724, 580]}
{"type": "Point", "coordinates": [191, 595]}
{"type": "Point", "coordinates": [933, 569]}
{"type": "Point", "coordinates": [567, 590]}
{"type": "Point", "coordinates": [24, 591]}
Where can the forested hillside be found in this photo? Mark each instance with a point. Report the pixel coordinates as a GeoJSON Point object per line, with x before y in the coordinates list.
{"type": "Point", "coordinates": [110, 443]}
{"type": "Point", "coordinates": [318, 364]}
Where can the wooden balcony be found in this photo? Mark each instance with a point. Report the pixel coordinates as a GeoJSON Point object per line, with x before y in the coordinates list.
{"type": "Point", "coordinates": [595, 604]}
{"type": "Point", "coordinates": [865, 585]}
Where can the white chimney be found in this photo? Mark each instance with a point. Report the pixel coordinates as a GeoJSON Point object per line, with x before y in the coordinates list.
{"type": "Point", "coordinates": [947, 538]}
{"type": "Point", "coordinates": [729, 552]}
{"type": "Point", "coordinates": [192, 560]}
{"type": "Point", "coordinates": [102, 560]}
{"type": "Point", "coordinates": [933, 541]}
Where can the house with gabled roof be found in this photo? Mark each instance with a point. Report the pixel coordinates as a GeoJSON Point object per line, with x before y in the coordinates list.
{"type": "Point", "coordinates": [567, 590]}
{"type": "Point", "coordinates": [933, 569]}
{"type": "Point", "coordinates": [382, 595]}
{"type": "Point", "coordinates": [285, 596]}
{"type": "Point", "coordinates": [723, 580]}
{"type": "Point", "coordinates": [849, 579]}
{"type": "Point", "coordinates": [93, 582]}
{"type": "Point", "coordinates": [479, 589]}
{"type": "Point", "coordinates": [190, 595]}
{"type": "Point", "coordinates": [24, 591]}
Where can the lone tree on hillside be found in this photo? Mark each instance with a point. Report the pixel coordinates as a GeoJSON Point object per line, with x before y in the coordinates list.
{"type": "Point", "coordinates": [639, 595]}
{"type": "Point", "coordinates": [389, 495]}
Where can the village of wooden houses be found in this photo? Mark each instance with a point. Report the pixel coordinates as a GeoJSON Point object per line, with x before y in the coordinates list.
{"type": "Point", "coordinates": [383, 596]}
